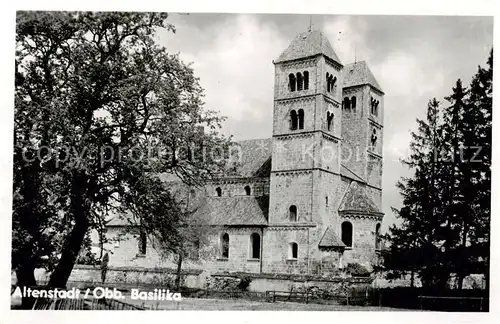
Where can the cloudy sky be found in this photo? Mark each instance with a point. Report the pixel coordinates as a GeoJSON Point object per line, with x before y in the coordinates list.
{"type": "Point", "coordinates": [414, 59]}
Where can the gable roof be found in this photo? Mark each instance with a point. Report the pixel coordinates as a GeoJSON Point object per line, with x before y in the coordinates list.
{"type": "Point", "coordinates": [356, 200]}
{"type": "Point", "coordinates": [308, 44]}
{"type": "Point", "coordinates": [253, 158]}
{"type": "Point", "coordinates": [236, 210]}
{"type": "Point", "coordinates": [359, 73]}
{"type": "Point", "coordinates": [330, 239]}
{"type": "Point", "coordinates": [346, 172]}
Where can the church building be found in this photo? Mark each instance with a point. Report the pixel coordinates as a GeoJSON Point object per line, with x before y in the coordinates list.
{"type": "Point", "coordinates": [308, 199]}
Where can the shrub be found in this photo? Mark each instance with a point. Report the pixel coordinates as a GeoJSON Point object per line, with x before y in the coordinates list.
{"type": "Point", "coordinates": [357, 270]}
{"type": "Point", "coordinates": [244, 282]}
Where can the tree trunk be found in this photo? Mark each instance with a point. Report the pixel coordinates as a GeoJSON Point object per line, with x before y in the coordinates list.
{"type": "Point", "coordinates": [60, 276]}
{"type": "Point", "coordinates": [178, 276]}
{"type": "Point", "coordinates": [26, 278]}
{"type": "Point", "coordinates": [412, 279]}
{"type": "Point", "coordinates": [74, 241]}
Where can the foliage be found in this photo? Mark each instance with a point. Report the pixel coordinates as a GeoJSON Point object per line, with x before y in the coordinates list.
{"type": "Point", "coordinates": [245, 282]}
{"type": "Point", "coordinates": [357, 270]}
{"type": "Point", "coordinates": [94, 96]}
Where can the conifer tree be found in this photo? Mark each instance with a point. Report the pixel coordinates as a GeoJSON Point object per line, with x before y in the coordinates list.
{"type": "Point", "coordinates": [446, 202]}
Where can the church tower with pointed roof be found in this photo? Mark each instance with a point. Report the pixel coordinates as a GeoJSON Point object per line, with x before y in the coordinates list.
{"type": "Point", "coordinates": [362, 118]}
{"type": "Point", "coordinates": [307, 130]}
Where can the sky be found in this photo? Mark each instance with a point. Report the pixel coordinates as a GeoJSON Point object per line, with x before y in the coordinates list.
{"type": "Point", "coordinates": [413, 58]}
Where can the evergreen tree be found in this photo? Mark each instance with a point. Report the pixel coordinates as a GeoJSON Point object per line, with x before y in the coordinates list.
{"type": "Point", "coordinates": [446, 202]}
{"type": "Point", "coordinates": [479, 192]}
{"type": "Point", "coordinates": [415, 243]}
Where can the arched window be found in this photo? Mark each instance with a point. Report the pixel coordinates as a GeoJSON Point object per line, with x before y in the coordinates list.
{"type": "Point", "coordinates": [374, 137]}
{"type": "Point", "coordinates": [353, 102]}
{"type": "Point", "coordinates": [306, 80]}
{"type": "Point", "coordinates": [255, 246]}
{"type": "Point", "coordinates": [224, 245]}
{"type": "Point", "coordinates": [377, 237]}
{"type": "Point", "coordinates": [143, 242]}
{"type": "Point", "coordinates": [347, 103]}
{"type": "Point", "coordinates": [291, 82]}
{"type": "Point", "coordinates": [293, 120]}
{"type": "Point", "coordinates": [330, 82]}
{"type": "Point", "coordinates": [301, 118]}
{"type": "Point", "coordinates": [219, 191]}
{"type": "Point", "coordinates": [293, 251]}
{"type": "Point", "coordinates": [374, 106]}
{"type": "Point", "coordinates": [347, 233]}
{"type": "Point", "coordinates": [292, 213]}
{"type": "Point", "coordinates": [333, 87]}
{"type": "Point", "coordinates": [300, 81]}
{"type": "Point", "coordinates": [247, 190]}
{"type": "Point", "coordinates": [329, 120]}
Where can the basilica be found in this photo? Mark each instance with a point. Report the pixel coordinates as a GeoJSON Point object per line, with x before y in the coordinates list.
{"type": "Point", "coordinates": [308, 199]}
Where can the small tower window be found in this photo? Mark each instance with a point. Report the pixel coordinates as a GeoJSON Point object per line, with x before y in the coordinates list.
{"type": "Point", "coordinates": [326, 201]}
{"type": "Point", "coordinates": [291, 82]}
{"type": "Point", "coordinates": [255, 246]}
{"type": "Point", "coordinates": [306, 80]}
{"type": "Point", "coordinates": [300, 81]}
{"type": "Point", "coordinates": [347, 233]}
{"type": "Point", "coordinates": [347, 103]}
{"type": "Point", "coordinates": [224, 244]}
{"type": "Point", "coordinates": [353, 102]}
{"type": "Point", "coordinates": [247, 190]}
{"type": "Point", "coordinates": [374, 106]}
{"type": "Point", "coordinates": [374, 137]}
{"type": "Point", "coordinates": [301, 118]}
{"type": "Point", "coordinates": [293, 120]}
{"type": "Point", "coordinates": [292, 213]}
{"type": "Point", "coordinates": [218, 190]}
{"type": "Point", "coordinates": [377, 237]}
{"type": "Point", "coordinates": [329, 120]}
{"type": "Point", "coordinates": [143, 242]}
{"type": "Point", "coordinates": [330, 82]}
{"type": "Point", "coordinates": [333, 87]}
{"type": "Point", "coordinates": [293, 251]}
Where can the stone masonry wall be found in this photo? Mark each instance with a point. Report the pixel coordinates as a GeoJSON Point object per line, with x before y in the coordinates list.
{"type": "Point", "coordinates": [239, 251]}
{"type": "Point", "coordinates": [277, 254]}
{"type": "Point", "coordinates": [291, 153]}
{"type": "Point", "coordinates": [355, 132]}
{"type": "Point", "coordinates": [363, 249]}
{"type": "Point", "coordinates": [293, 188]}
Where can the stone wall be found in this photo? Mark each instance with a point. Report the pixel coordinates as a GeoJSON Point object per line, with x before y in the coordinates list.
{"type": "Point", "coordinates": [135, 276]}
{"type": "Point", "coordinates": [288, 189]}
{"type": "Point", "coordinates": [236, 187]}
{"type": "Point", "coordinates": [277, 256]}
{"type": "Point", "coordinates": [282, 282]}
{"type": "Point", "coordinates": [355, 131]}
{"type": "Point", "coordinates": [363, 248]}
{"type": "Point", "coordinates": [239, 251]}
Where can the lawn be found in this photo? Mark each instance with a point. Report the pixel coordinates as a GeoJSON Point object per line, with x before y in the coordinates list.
{"type": "Point", "coordinates": [239, 304]}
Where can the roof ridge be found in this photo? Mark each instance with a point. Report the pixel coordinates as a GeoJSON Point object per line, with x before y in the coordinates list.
{"type": "Point", "coordinates": [308, 44]}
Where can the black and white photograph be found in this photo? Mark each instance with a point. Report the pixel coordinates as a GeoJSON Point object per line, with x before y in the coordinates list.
{"type": "Point", "coordinates": [189, 161]}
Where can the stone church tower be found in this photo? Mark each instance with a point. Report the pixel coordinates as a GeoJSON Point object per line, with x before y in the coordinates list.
{"type": "Point", "coordinates": [317, 137]}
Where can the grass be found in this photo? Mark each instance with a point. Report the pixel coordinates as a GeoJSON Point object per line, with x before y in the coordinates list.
{"type": "Point", "coordinates": [240, 304]}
